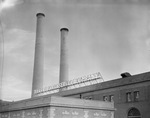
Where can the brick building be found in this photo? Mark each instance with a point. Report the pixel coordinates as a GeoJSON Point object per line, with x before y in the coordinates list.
{"type": "Point", "coordinates": [130, 94]}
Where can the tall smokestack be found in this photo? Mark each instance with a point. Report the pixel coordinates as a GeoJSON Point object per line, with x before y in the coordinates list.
{"type": "Point", "coordinates": [38, 72]}
{"type": "Point", "coordinates": [63, 74]}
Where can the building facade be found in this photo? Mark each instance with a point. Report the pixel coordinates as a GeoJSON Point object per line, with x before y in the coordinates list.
{"type": "Point", "coordinates": [130, 94]}
{"type": "Point", "coordinates": [57, 107]}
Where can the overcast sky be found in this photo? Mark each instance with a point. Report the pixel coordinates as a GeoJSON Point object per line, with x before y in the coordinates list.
{"type": "Point", "coordinates": [106, 36]}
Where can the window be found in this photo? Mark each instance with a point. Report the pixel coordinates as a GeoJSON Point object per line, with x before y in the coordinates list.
{"type": "Point", "coordinates": [88, 98]}
{"type": "Point", "coordinates": [105, 98]}
{"type": "Point", "coordinates": [134, 113]}
{"type": "Point", "coordinates": [128, 97]}
{"type": "Point", "coordinates": [111, 98]}
{"type": "Point", "coordinates": [136, 95]}
{"type": "Point", "coordinates": [80, 96]}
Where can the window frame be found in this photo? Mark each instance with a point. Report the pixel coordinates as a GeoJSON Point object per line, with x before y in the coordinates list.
{"type": "Point", "coordinates": [111, 98]}
{"type": "Point", "coordinates": [128, 96]}
{"type": "Point", "coordinates": [135, 95]}
{"type": "Point", "coordinates": [104, 98]}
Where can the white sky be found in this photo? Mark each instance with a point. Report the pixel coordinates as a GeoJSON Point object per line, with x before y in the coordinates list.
{"type": "Point", "coordinates": [107, 36]}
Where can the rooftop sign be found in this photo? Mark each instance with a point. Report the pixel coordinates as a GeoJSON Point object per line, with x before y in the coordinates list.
{"type": "Point", "coordinates": [72, 84]}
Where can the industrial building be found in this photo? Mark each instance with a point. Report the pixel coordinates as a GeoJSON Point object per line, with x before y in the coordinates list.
{"type": "Point", "coordinates": [130, 93]}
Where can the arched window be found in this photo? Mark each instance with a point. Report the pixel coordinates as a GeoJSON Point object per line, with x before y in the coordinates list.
{"type": "Point", "coordinates": [134, 113]}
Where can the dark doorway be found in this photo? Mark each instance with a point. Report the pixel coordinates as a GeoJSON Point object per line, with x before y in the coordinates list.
{"type": "Point", "coordinates": [134, 113]}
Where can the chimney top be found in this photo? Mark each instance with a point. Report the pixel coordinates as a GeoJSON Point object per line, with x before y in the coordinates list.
{"type": "Point", "coordinates": [126, 74]}
{"type": "Point", "coordinates": [40, 14]}
{"type": "Point", "coordinates": [64, 29]}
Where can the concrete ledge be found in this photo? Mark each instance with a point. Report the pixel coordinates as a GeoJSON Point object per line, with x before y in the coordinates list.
{"type": "Point", "coordinates": [57, 101]}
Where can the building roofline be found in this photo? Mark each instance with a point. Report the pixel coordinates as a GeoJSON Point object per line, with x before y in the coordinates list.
{"type": "Point", "coordinates": [134, 79]}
